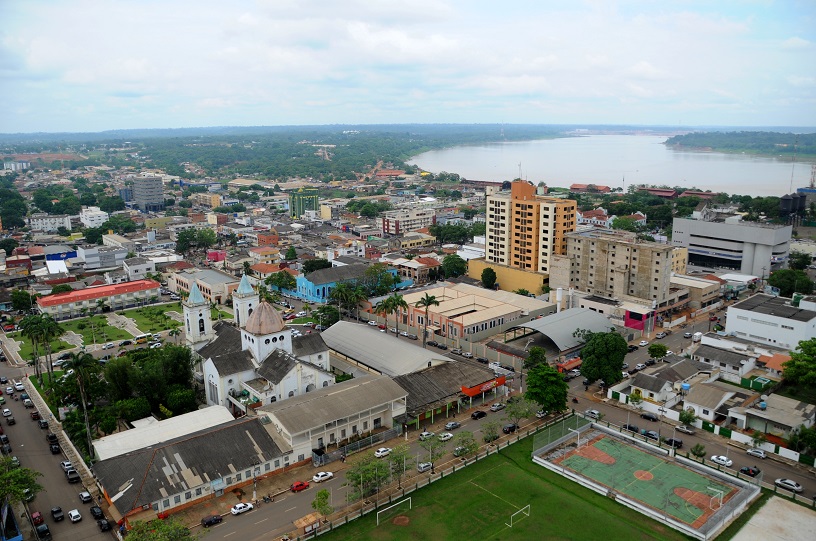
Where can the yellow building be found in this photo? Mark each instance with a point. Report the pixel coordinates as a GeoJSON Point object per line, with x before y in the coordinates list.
{"type": "Point", "coordinates": [158, 223]}
{"type": "Point", "coordinates": [679, 260]}
{"type": "Point", "coordinates": [209, 200]}
{"type": "Point", "coordinates": [525, 230]}
{"type": "Point", "coordinates": [508, 278]}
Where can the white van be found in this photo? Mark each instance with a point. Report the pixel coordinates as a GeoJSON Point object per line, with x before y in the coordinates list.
{"type": "Point", "coordinates": [697, 337]}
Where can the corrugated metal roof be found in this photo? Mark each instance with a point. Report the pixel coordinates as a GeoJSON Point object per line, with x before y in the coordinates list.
{"type": "Point", "coordinates": [382, 352]}
{"type": "Point", "coordinates": [560, 327]}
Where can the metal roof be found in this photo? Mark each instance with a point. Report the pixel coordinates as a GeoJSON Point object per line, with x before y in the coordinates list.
{"type": "Point", "coordinates": [774, 306]}
{"type": "Point", "coordinates": [560, 327]}
{"type": "Point", "coordinates": [379, 351]}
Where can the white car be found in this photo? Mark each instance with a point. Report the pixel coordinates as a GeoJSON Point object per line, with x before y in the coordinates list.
{"type": "Point", "coordinates": [66, 465]}
{"type": "Point", "coordinates": [373, 323]}
{"type": "Point", "coordinates": [722, 460]}
{"type": "Point", "coordinates": [6, 412]}
{"type": "Point", "coordinates": [19, 386]}
{"type": "Point", "coordinates": [301, 314]}
{"type": "Point", "coordinates": [640, 366]}
{"type": "Point", "coordinates": [382, 452]}
{"type": "Point", "coordinates": [594, 414]}
{"type": "Point", "coordinates": [155, 345]}
{"type": "Point", "coordinates": [74, 515]}
{"type": "Point", "coordinates": [242, 507]}
{"type": "Point", "coordinates": [322, 476]}
{"type": "Point", "coordinates": [643, 343]}
{"type": "Point", "coordinates": [669, 352]}
{"type": "Point", "coordinates": [109, 345]}
{"type": "Point", "coordinates": [467, 355]}
{"type": "Point", "coordinates": [685, 429]}
{"type": "Point", "coordinates": [426, 435]}
{"type": "Point", "coordinates": [445, 436]}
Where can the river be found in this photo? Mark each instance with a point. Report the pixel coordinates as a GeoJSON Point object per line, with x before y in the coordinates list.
{"type": "Point", "coordinates": [618, 161]}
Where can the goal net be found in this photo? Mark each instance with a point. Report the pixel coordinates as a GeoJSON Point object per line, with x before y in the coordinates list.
{"type": "Point", "coordinates": [392, 506]}
{"type": "Point", "coordinates": [518, 515]}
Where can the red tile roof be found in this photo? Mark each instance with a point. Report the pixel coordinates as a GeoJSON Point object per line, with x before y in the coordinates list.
{"type": "Point", "coordinates": [431, 262]}
{"type": "Point", "coordinates": [264, 268]}
{"type": "Point", "coordinates": [97, 292]}
{"type": "Point", "coordinates": [775, 361]}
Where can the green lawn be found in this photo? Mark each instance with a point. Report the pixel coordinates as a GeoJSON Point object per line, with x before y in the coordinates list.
{"type": "Point", "coordinates": [95, 327]}
{"type": "Point", "coordinates": [154, 318]}
{"type": "Point", "coordinates": [26, 349]}
{"type": "Point", "coordinates": [476, 503]}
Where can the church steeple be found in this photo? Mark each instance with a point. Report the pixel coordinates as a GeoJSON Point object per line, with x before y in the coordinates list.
{"type": "Point", "coordinates": [197, 319]}
{"type": "Point", "coordinates": [244, 301]}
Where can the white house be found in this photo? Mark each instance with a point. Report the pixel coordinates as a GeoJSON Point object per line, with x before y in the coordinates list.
{"type": "Point", "coordinates": [138, 267]}
{"type": "Point", "coordinates": [734, 363]}
{"type": "Point", "coordinates": [93, 216]}
{"type": "Point", "coordinates": [706, 398]}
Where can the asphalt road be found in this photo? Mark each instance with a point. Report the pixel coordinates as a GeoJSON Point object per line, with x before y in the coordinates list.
{"type": "Point", "coordinates": [28, 443]}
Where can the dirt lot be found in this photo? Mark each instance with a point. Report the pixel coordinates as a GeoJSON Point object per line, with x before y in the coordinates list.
{"type": "Point", "coordinates": [780, 520]}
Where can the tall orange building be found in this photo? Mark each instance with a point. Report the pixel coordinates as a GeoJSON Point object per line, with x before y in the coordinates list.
{"type": "Point", "coordinates": [524, 230]}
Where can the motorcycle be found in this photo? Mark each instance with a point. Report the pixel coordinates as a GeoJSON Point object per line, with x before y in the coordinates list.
{"type": "Point", "coordinates": [575, 400]}
{"type": "Point", "coordinates": [267, 499]}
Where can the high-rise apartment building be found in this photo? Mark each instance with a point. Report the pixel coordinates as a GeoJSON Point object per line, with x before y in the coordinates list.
{"type": "Point", "coordinates": [396, 222]}
{"type": "Point", "coordinates": [614, 264]}
{"type": "Point", "coordinates": [148, 193]}
{"type": "Point", "coordinates": [525, 230]}
{"type": "Point", "coordinates": [302, 200]}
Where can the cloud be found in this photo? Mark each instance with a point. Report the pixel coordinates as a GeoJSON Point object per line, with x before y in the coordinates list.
{"type": "Point", "coordinates": [796, 43]}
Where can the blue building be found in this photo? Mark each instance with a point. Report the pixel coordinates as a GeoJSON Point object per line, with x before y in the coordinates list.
{"type": "Point", "coordinates": [317, 286]}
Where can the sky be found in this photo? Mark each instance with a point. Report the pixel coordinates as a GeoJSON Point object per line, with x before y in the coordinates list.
{"type": "Point", "coordinates": [93, 65]}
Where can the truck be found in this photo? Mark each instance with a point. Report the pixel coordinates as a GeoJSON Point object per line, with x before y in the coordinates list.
{"type": "Point", "coordinates": [696, 337]}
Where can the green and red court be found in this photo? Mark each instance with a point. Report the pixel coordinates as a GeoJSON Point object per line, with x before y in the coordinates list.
{"type": "Point", "coordinates": [686, 495]}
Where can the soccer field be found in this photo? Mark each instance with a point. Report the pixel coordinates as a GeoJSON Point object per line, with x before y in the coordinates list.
{"type": "Point", "coordinates": [476, 503]}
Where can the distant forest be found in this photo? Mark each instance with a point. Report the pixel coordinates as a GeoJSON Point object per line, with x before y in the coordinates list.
{"type": "Point", "coordinates": [272, 152]}
{"type": "Point", "coordinates": [749, 142]}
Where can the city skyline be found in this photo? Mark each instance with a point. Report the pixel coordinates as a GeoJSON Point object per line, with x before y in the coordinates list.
{"type": "Point", "coordinates": [90, 65]}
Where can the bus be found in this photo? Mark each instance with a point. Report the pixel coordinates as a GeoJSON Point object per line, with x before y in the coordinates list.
{"type": "Point", "coordinates": [142, 338]}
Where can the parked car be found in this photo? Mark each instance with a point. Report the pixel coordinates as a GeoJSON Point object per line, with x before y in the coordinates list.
{"type": "Point", "coordinates": [632, 428]}
{"type": "Point", "coordinates": [661, 335]}
{"type": "Point", "coordinates": [498, 406]}
{"type": "Point", "coordinates": [456, 351]}
{"type": "Point", "coordinates": [66, 465]}
{"type": "Point", "coordinates": [640, 366]}
{"type": "Point", "coordinates": [482, 360]}
{"type": "Point", "coordinates": [211, 520]}
{"type": "Point", "coordinates": [687, 335]}
{"type": "Point", "coordinates": [321, 476]}
{"type": "Point", "coordinates": [685, 429]}
{"type": "Point", "coordinates": [445, 436]}
{"type": "Point", "coordinates": [299, 486]}
{"type": "Point", "coordinates": [677, 443]}
{"type": "Point", "coordinates": [42, 423]}
{"type": "Point", "coordinates": [426, 435]}
{"type": "Point", "coordinates": [722, 460]}
{"type": "Point", "coordinates": [442, 346]}
{"type": "Point", "coordinates": [759, 453]}
{"type": "Point", "coordinates": [450, 425]}
{"type": "Point", "coordinates": [124, 343]}
{"type": "Point", "coordinates": [478, 414]}
{"type": "Point", "coordinates": [422, 467]}
{"type": "Point", "coordinates": [509, 428]}
{"type": "Point", "coordinates": [96, 512]}
{"type": "Point", "coordinates": [37, 518]}
{"type": "Point", "coordinates": [43, 533]}
{"type": "Point", "coordinates": [35, 415]}
{"type": "Point", "coordinates": [55, 449]}
{"type": "Point", "coordinates": [649, 416]}
{"type": "Point", "coordinates": [593, 414]}
{"type": "Point", "coordinates": [57, 514]}
{"type": "Point", "coordinates": [382, 452]}
{"type": "Point", "coordinates": [74, 516]}
{"type": "Point", "coordinates": [10, 420]}
{"type": "Point", "coordinates": [432, 343]}
{"type": "Point", "coordinates": [109, 345]}
{"type": "Point", "coordinates": [651, 362]}
{"type": "Point", "coordinates": [643, 343]}
{"type": "Point", "coordinates": [104, 525]}
{"type": "Point", "coordinates": [788, 484]}
{"type": "Point", "coordinates": [750, 471]}
{"type": "Point", "coordinates": [85, 496]}
{"type": "Point", "coordinates": [73, 476]}
{"type": "Point", "coordinates": [652, 435]}
{"type": "Point", "coordinates": [540, 414]}
{"type": "Point", "coordinates": [467, 355]}
{"type": "Point", "coordinates": [51, 437]}
{"type": "Point", "coordinates": [713, 318]}
{"type": "Point", "coordinates": [632, 348]}
{"type": "Point", "coordinates": [6, 412]}
{"type": "Point", "coordinates": [242, 507]}
{"type": "Point", "coordinates": [413, 337]}
{"type": "Point", "coordinates": [459, 451]}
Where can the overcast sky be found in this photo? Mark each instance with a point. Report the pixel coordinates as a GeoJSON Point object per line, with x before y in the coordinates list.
{"type": "Point", "coordinates": [90, 65]}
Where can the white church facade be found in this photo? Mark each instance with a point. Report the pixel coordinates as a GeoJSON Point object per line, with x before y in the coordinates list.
{"type": "Point", "coordinates": [253, 360]}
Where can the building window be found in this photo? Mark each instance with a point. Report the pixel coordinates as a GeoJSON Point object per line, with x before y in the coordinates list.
{"type": "Point", "coordinates": [176, 499]}
{"type": "Point", "coordinates": [705, 412]}
{"type": "Point", "coordinates": [188, 495]}
{"type": "Point", "coordinates": [198, 492]}
{"type": "Point", "coordinates": [201, 325]}
{"type": "Point", "coordinates": [166, 503]}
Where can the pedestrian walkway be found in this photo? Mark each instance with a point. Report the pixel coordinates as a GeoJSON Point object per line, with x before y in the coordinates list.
{"type": "Point", "coordinates": [123, 322]}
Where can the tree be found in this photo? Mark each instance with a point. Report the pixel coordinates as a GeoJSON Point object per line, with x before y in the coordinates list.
{"type": "Point", "coordinates": [281, 280]}
{"type": "Point", "coordinates": [312, 265]}
{"type": "Point", "coordinates": [791, 281]}
{"type": "Point", "coordinates": [435, 449]}
{"type": "Point", "coordinates": [799, 260]}
{"type": "Point", "coordinates": [453, 266]}
{"type": "Point", "coordinates": [657, 351]}
{"type": "Point", "coordinates": [49, 330]}
{"type": "Point", "coordinates": [519, 409]}
{"type": "Point", "coordinates": [247, 268]}
{"type": "Point", "coordinates": [8, 245]}
{"type": "Point", "coordinates": [327, 315]}
{"type": "Point", "coordinates": [547, 388]}
{"type": "Point", "coordinates": [168, 529]}
{"type": "Point", "coordinates": [488, 278]}
{"type": "Point", "coordinates": [111, 204]}
{"type": "Point", "coordinates": [365, 477]}
{"type": "Point", "coordinates": [291, 254]}
{"type": "Point", "coordinates": [466, 442]}
{"type": "Point", "coordinates": [321, 503]}
{"type": "Point", "coordinates": [16, 482]}
{"type": "Point", "coordinates": [698, 450]}
{"type": "Point", "coordinates": [426, 302]}
{"type": "Point", "coordinates": [61, 288]}
{"type": "Point", "coordinates": [758, 438]}
{"type": "Point", "coordinates": [490, 431]}
{"type": "Point", "coordinates": [174, 334]}
{"type": "Point", "coordinates": [800, 370]}
{"type": "Point", "coordinates": [602, 357]}
{"type": "Point", "coordinates": [185, 240]}
{"type": "Point", "coordinates": [626, 224]}
{"type": "Point", "coordinates": [205, 238]}
{"type": "Point", "coordinates": [400, 461]}
{"type": "Point", "coordinates": [537, 356]}
{"type": "Point", "coordinates": [21, 299]}
{"type": "Point", "coordinates": [86, 370]}
{"type": "Point", "coordinates": [687, 416]}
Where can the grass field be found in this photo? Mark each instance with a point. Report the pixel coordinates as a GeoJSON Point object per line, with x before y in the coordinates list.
{"type": "Point", "coordinates": [26, 349]}
{"type": "Point", "coordinates": [476, 503]}
{"type": "Point", "coordinates": [153, 318]}
{"type": "Point", "coordinates": [101, 330]}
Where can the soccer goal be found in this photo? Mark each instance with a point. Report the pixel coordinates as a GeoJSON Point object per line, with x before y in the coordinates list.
{"type": "Point", "coordinates": [525, 511]}
{"type": "Point", "coordinates": [410, 506]}
{"type": "Point", "coordinates": [715, 502]}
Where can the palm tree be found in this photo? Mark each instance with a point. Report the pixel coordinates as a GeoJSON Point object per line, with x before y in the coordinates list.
{"type": "Point", "coordinates": [84, 364]}
{"type": "Point", "coordinates": [426, 302]}
{"type": "Point", "coordinates": [385, 307]}
{"type": "Point", "coordinates": [50, 330]}
{"type": "Point", "coordinates": [174, 332]}
{"type": "Point", "coordinates": [340, 294]}
{"type": "Point", "coordinates": [356, 296]}
{"type": "Point", "coordinates": [399, 304]}
{"type": "Point", "coordinates": [31, 327]}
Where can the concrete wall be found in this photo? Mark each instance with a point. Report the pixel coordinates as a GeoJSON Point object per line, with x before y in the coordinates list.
{"type": "Point", "coordinates": [509, 278]}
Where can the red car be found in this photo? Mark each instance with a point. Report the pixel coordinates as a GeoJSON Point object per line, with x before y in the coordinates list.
{"type": "Point", "coordinates": [37, 518]}
{"type": "Point", "coordinates": [290, 317]}
{"type": "Point", "coordinates": [713, 318]}
{"type": "Point", "coordinates": [297, 486]}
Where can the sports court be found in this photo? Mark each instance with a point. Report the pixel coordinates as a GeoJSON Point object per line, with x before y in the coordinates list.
{"type": "Point", "coordinates": [682, 493]}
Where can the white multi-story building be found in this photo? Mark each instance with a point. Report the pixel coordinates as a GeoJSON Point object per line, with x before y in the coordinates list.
{"type": "Point", "coordinates": [137, 267]}
{"type": "Point", "coordinates": [93, 217]}
{"type": "Point", "coordinates": [96, 257]}
{"type": "Point", "coordinates": [49, 222]}
{"type": "Point", "coordinates": [771, 320]}
{"type": "Point", "coordinates": [396, 222]}
{"type": "Point", "coordinates": [720, 238]}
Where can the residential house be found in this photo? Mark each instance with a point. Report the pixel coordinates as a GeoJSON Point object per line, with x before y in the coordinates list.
{"type": "Point", "coordinates": [734, 364]}
{"type": "Point", "coordinates": [138, 267]}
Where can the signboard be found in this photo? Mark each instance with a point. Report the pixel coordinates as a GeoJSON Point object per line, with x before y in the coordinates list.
{"type": "Point", "coordinates": [484, 387]}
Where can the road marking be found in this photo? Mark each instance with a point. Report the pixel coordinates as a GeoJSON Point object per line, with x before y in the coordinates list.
{"type": "Point", "coordinates": [264, 520]}
{"type": "Point", "coordinates": [290, 509]}
{"type": "Point", "coordinates": [229, 534]}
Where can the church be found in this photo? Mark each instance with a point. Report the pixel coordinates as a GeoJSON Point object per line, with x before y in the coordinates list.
{"type": "Point", "coordinates": [253, 360]}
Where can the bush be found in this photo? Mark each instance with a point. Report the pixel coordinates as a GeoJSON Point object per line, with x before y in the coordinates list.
{"type": "Point", "coordinates": [81, 326]}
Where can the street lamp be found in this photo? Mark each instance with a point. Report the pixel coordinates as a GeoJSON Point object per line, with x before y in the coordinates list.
{"type": "Point", "coordinates": [255, 472]}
